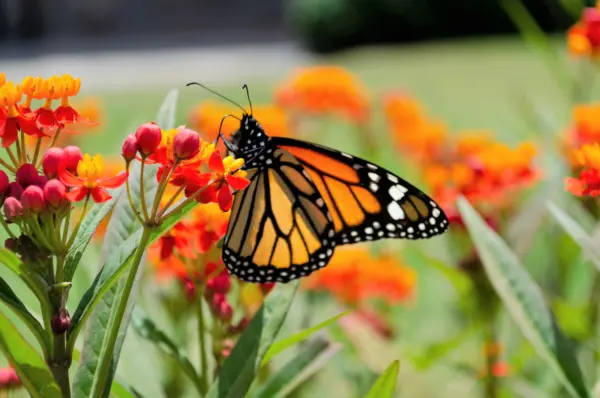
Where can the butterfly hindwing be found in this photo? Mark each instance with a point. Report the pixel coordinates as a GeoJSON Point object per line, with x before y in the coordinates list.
{"type": "Point", "coordinates": [366, 201]}
{"type": "Point", "coordinates": [280, 228]}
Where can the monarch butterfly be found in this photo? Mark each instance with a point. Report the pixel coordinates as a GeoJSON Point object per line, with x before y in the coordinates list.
{"type": "Point", "coordinates": [305, 199]}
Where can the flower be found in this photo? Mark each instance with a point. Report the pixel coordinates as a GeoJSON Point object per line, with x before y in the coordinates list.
{"type": "Point", "coordinates": [52, 160]}
{"type": "Point", "coordinates": [353, 275]}
{"type": "Point", "coordinates": [584, 37]}
{"type": "Point", "coordinates": [207, 116]}
{"type": "Point", "coordinates": [585, 129]}
{"type": "Point", "coordinates": [588, 181]}
{"type": "Point", "coordinates": [130, 148]}
{"type": "Point", "coordinates": [186, 144]}
{"type": "Point", "coordinates": [11, 119]}
{"type": "Point", "coordinates": [149, 136]}
{"type": "Point", "coordinates": [55, 193]}
{"type": "Point", "coordinates": [32, 199]}
{"type": "Point", "coordinates": [9, 378]}
{"type": "Point", "coordinates": [89, 180]}
{"type": "Point", "coordinates": [321, 90]}
{"type": "Point", "coordinates": [210, 224]}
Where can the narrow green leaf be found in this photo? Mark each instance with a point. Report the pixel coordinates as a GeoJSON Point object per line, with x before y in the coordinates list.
{"type": "Point", "coordinates": [29, 365]}
{"type": "Point", "coordinates": [459, 280]}
{"type": "Point", "coordinates": [86, 231]}
{"type": "Point", "coordinates": [239, 369]}
{"type": "Point", "coordinates": [524, 300]}
{"type": "Point", "coordinates": [386, 383]}
{"type": "Point", "coordinates": [434, 353]}
{"type": "Point", "coordinates": [121, 390]}
{"type": "Point", "coordinates": [298, 369]}
{"type": "Point", "coordinates": [148, 330]}
{"type": "Point", "coordinates": [577, 233]}
{"type": "Point", "coordinates": [33, 281]}
{"type": "Point", "coordinates": [8, 296]}
{"type": "Point", "coordinates": [167, 111]}
{"type": "Point", "coordinates": [288, 342]}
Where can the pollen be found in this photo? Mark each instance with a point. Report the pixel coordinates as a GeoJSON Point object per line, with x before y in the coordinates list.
{"type": "Point", "coordinates": [90, 169]}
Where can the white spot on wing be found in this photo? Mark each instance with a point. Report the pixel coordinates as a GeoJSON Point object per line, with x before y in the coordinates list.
{"type": "Point", "coordinates": [436, 212]}
{"type": "Point", "coordinates": [395, 211]}
{"type": "Point", "coordinates": [373, 187]}
{"type": "Point", "coordinates": [392, 178]}
{"type": "Point", "coordinates": [395, 192]}
{"type": "Point", "coordinates": [346, 155]}
{"type": "Point", "coordinates": [374, 176]}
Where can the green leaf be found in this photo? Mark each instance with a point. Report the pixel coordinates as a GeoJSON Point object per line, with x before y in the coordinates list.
{"type": "Point", "coordinates": [284, 344]}
{"type": "Point", "coordinates": [86, 231]}
{"type": "Point", "coordinates": [434, 353]}
{"type": "Point", "coordinates": [386, 383]}
{"type": "Point", "coordinates": [166, 114]}
{"type": "Point", "coordinates": [577, 233]}
{"type": "Point", "coordinates": [8, 296]}
{"type": "Point", "coordinates": [33, 281]}
{"type": "Point", "coordinates": [121, 390]}
{"type": "Point", "coordinates": [312, 357]}
{"type": "Point", "coordinates": [524, 300]}
{"type": "Point", "coordinates": [240, 368]}
{"type": "Point", "coordinates": [148, 330]}
{"type": "Point", "coordinates": [29, 365]}
{"type": "Point", "coordinates": [459, 280]}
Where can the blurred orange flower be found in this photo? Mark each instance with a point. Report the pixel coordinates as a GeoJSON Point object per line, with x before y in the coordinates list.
{"type": "Point", "coordinates": [585, 129]}
{"type": "Point", "coordinates": [353, 275]}
{"type": "Point", "coordinates": [584, 37]}
{"type": "Point", "coordinates": [588, 181]}
{"type": "Point", "coordinates": [90, 108]}
{"type": "Point", "coordinates": [322, 90]}
{"type": "Point", "coordinates": [206, 118]}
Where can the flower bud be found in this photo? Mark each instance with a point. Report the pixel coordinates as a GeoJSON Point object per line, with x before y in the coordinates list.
{"type": "Point", "coordinates": [72, 157]}
{"type": "Point", "coordinates": [9, 378]}
{"type": "Point", "coordinates": [55, 193]}
{"type": "Point", "coordinates": [40, 181]}
{"type": "Point", "coordinates": [61, 321]}
{"type": "Point", "coordinates": [148, 137]}
{"type": "Point", "coordinates": [130, 148]}
{"type": "Point", "coordinates": [33, 199]}
{"type": "Point", "coordinates": [186, 144]}
{"type": "Point", "coordinates": [52, 161]}
{"type": "Point", "coordinates": [219, 284]}
{"type": "Point", "coordinates": [267, 287]}
{"type": "Point", "coordinates": [27, 175]}
{"type": "Point", "coordinates": [225, 311]}
{"type": "Point", "coordinates": [15, 190]}
{"type": "Point", "coordinates": [3, 182]}
{"type": "Point", "coordinates": [12, 209]}
{"type": "Point", "coordinates": [11, 244]}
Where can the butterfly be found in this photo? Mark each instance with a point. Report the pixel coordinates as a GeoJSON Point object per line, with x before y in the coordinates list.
{"type": "Point", "coordinates": [305, 199]}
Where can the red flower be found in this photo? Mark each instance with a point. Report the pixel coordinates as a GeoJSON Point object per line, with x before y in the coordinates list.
{"type": "Point", "coordinates": [12, 120]}
{"type": "Point", "coordinates": [227, 176]}
{"type": "Point", "coordinates": [88, 180]}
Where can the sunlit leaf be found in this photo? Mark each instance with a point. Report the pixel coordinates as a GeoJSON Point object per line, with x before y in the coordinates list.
{"type": "Point", "coordinates": [385, 385]}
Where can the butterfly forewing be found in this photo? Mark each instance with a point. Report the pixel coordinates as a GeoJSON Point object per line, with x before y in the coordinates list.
{"type": "Point", "coordinates": [280, 227]}
{"type": "Point", "coordinates": [366, 201]}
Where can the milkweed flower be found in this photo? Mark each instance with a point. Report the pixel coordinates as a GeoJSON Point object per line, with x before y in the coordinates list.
{"type": "Point", "coordinates": [584, 129]}
{"type": "Point", "coordinates": [11, 119]}
{"type": "Point", "coordinates": [584, 37]}
{"type": "Point", "coordinates": [90, 180]}
{"type": "Point", "coordinates": [353, 275]}
{"type": "Point", "coordinates": [587, 183]}
{"type": "Point", "coordinates": [322, 90]}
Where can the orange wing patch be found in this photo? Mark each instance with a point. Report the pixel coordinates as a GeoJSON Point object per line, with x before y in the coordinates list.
{"type": "Point", "coordinates": [323, 162]}
{"type": "Point", "coordinates": [346, 203]}
{"type": "Point", "coordinates": [368, 201]}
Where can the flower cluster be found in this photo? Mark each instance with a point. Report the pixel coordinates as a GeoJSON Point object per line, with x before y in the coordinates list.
{"type": "Point", "coordinates": [353, 275]}
{"type": "Point", "coordinates": [322, 90]}
{"type": "Point", "coordinates": [587, 183]}
{"type": "Point", "coordinates": [584, 37]}
{"type": "Point", "coordinates": [472, 164]}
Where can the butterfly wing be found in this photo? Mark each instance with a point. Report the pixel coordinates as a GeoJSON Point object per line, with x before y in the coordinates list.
{"type": "Point", "coordinates": [280, 228]}
{"type": "Point", "coordinates": [366, 201]}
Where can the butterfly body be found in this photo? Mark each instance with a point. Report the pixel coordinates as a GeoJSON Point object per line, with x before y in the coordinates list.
{"type": "Point", "coordinates": [305, 199]}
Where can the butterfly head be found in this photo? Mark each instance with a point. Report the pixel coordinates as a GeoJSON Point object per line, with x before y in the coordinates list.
{"type": "Point", "coordinates": [250, 138]}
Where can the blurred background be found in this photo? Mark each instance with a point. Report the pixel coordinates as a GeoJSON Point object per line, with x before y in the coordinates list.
{"type": "Point", "coordinates": [476, 66]}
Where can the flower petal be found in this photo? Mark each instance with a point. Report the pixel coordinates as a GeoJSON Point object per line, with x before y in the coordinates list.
{"type": "Point", "coordinates": [113, 182]}
{"type": "Point", "coordinates": [77, 194]}
{"type": "Point", "coordinates": [237, 183]}
{"type": "Point", "coordinates": [225, 198]}
{"type": "Point", "coordinates": [69, 179]}
{"type": "Point", "coordinates": [215, 162]}
{"type": "Point", "coordinates": [8, 132]}
{"type": "Point", "coordinates": [100, 195]}
{"type": "Point", "coordinates": [208, 195]}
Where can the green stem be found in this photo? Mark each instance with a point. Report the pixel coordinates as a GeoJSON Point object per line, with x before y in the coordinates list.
{"type": "Point", "coordinates": [39, 234]}
{"type": "Point", "coordinates": [170, 202]}
{"type": "Point", "coordinates": [202, 342]}
{"type": "Point", "coordinates": [162, 185]}
{"type": "Point", "coordinates": [7, 166]}
{"type": "Point", "coordinates": [491, 358]}
{"type": "Point", "coordinates": [12, 157]}
{"type": "Point", "coordinates": [21, 146]}
{"type": "Point", "coordinates": [36, 152]}
{"type": "Point", "coordinates": [185, 202]}
{"type": "Point", "coordinates": [65, 234]}
{"type": "Point", "coordinates": [106, 354]}
{"type": "Point", "coordinates": [61, 354]}
{"type": "Point", "coordinates": [5, 226]}
{"type": "Point", "coordinates": [76, 229]}
{"type": "Point", "coordinates": [142, 192]}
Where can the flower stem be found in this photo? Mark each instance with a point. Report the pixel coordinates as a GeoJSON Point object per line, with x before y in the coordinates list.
{"type": "Point", "coordinates": [491, 358]}
{"type": "Point", "coordinates": [5, 226]}
{"type": "Point", "coordinates": [7, 166]}
{"type": "Point", "coordinates": [65, 233]}
{"type": "Point", "coordinates": [107, 353]}
{"type": "Point", "coordinates": [142, 192]}
{"type": "Point", "coordinates": [12, 157]}
{"type": "Point", "coordinates": [187, 201]}
{"type": "Point", "coordinates": [21, 146]}
{"type": "Point", "coordinates": [61, 358]}
{"type": "Point", "coordinates": [36, 153]}
{"type": "Point", "coordinates": [170, 202]}
{"type": "Point", "coordinates": [164, 181]}
{"type": "Point", "coordinates": [76, 229]}
{"type": "Point", "coordinates": [131, 204]}
{"type": "Point", "coordinates": [202, 343]}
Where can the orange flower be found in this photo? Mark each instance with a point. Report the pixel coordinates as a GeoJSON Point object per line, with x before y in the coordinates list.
{"type": "Point", "coordinates": [322, 90]}
{"type": "Point", "coordinates": [89, 180]}
{"type": "Point", "coordinates": [584, 37]}
{"type": "Point", "coordinates": [12, 120]}
{"type": "Point", "coordinates": [588, 181]}
{"type": "Point", "coordinates": [414, 133]}
{"type": "Point", "coordinates": [206, 118]}
{"type": "Point", "coordinates": [353, 275]}
{"type": "Point", "coordinates": [585, 129]}
{"type": "Point", "coordinates": [90, 108]}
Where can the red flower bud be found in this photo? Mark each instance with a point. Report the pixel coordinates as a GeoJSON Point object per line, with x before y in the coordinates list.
{"type": "Point", "coordinates": [186, 144]}
{"type": "Point", "coordinates": [3, 182]}
{"type": "Point", "coordinates": [9, 378]}
{"type": "Point", "coordinates": [225, 311]}
{"type": "Point", "coordinates": [11, 244]}
{"type": "Point", "coordinates": [148, 137]}
{"type": "Point", "coordinates": [52, 161]}
{"type": "Point", "coordinates": [209, 270]}
{"type": "Point", "coordinates": [40, 181]}
{"type": "Point", "coordinates": [61, 321]}
{"type": "Point", "coordinates": [12, 209]}
{"type": "Point", "coordinates": [33, 199]}
{"type": "Point", "coordinates": [55, 193]}
{"type": "Point", "coordinates": [27, 175]}
{"type": "Point", "coordinates": [72, 157]}
{"type": "Point", "coordinates": [267, 287]}
{"type": "Point", "coordinates": [219, 284]}
{"type": "Point", "coordinates": [15, 190]}
{"type": "Point", "coordinates": [215, 302]}
{"type": "Point", "coordinates": [130, 148]}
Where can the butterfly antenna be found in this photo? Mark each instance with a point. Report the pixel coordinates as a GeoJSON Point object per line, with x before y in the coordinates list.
{"type": "Point", "coordinates": [227, 143]}
{"type": "Point", "coordinates": [218, 94]}
{"type": "Point", "coordinates": [245, 87]}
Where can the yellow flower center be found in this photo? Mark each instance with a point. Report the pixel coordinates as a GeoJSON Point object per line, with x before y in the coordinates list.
{"type": "Point", "coordinates": [9, 97]}
{"type": "Point", "coordinates": [232, 166]}
{"type": "Point", "coordinates": [90, 169]}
